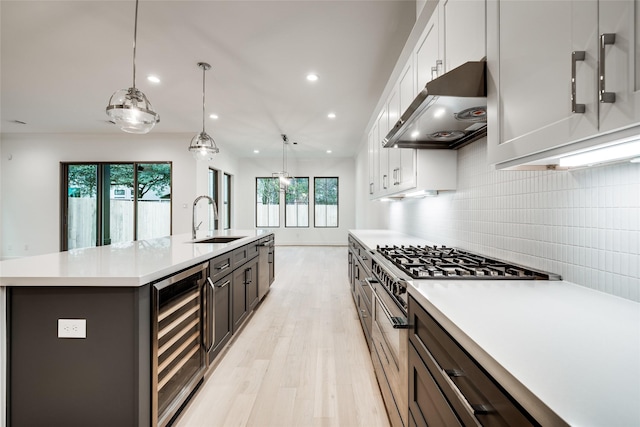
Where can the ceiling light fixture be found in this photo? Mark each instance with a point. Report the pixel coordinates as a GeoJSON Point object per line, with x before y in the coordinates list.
{"type": "Point", "coordinates": [213, 116]}
{"type": "Point", "coordinates": [129, 108]}
{"type": "Point", "coordinates": [611, 153]}
{"type": "Point", "coordinates": [331, 115]}
{"type": "Point", "coordinates": [153, 79]}
{"type": "Point", "coordinates": [203, 147]}
{"type": "Point", "coordinates": [283, 175]}
{"type": "Point", "coordinates": [312, 77]}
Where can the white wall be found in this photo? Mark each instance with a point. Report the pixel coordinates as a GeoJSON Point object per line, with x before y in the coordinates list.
{"type": "Point", "coordinates": [583, 224]}
{"type": "Point", "coordinates": [30, 180]}
{"type": "Point", "coordinates": [343, 168]}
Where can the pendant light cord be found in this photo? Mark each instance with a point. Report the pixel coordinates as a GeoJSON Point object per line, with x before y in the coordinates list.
{"type": "Point", "coordinates": [204, 70]}
{"type": "Point", "coordinates": [135, 36]}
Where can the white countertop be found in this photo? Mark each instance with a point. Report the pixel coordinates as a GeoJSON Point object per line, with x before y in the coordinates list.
{"type": "Point", "coordinates": [123, 264]}
{"type": "Point", "coordinates": [574, 349]}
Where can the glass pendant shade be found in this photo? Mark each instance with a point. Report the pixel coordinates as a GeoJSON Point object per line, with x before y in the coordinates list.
{"type": "Point", "coordinates": [203, 147]}
{"type": "Point", "coordinates": [129, 108]}
{"type": "Point", "coordinates": [131, 111]}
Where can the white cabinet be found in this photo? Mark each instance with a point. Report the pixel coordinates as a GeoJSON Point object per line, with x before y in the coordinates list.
{"type": "Point", "coordinates": [462, 31]}
{"type": "Point", "coordinates": [427, 59]}
{"type": "Point", "coordinates": [534, 75]}
{"type": "Point", "coordinates": [454, 35]}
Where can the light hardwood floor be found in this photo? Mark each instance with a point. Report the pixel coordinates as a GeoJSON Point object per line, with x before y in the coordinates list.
{"type": "Point", "coordinates": [301, 360]}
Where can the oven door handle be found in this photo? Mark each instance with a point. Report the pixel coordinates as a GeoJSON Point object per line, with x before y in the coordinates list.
{"type": "Point", "coordinates": [396, 321]}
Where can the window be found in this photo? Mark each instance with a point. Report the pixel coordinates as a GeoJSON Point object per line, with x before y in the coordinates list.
{"type": "Point", "coordinates": [105, 203]}
{"type": "Point", "coordinates": [326, 202]}
{"type": "Point", "coordinates": [226, 200]}
{"type": "Point", "coordinates": [213, 193]}
{"type": "Point", "coordinates": [296, 212]}
{"type": "Point", "coordinates": [267, 202]}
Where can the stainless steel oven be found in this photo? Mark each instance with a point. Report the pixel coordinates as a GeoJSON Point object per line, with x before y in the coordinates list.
{"type": "Point", "coordinates": [389, 352]}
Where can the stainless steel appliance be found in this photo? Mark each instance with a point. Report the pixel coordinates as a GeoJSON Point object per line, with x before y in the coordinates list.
{"type": "Point", "coordinates": [178, 349]}
{"type": "Point", "coordinates": [266, 265]}
{"type": "Point", "coordinates": [393, 267]}
{"type": "Point", "coordinates": [450, 112]}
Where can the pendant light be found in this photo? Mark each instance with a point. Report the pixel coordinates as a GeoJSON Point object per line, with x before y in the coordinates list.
{"type": "Point", "coordinates": [129, 108]}
{"type": "Point", "coordinates": [203, 147]}
{"type": "Point", "coordinates": [283, 175]}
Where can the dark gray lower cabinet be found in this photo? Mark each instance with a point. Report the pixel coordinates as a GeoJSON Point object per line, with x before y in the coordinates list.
{"type": "Point", "coordinates": [245, 291]}
{"type": "Point", "coordinates": [447, 387]}
{"type": "Point", "coordinates": [219, 300]}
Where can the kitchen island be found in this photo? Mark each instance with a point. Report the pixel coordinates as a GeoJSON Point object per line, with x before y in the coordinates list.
{"type": "Point", "coordinates": [564, 353]}
{"type": "Point", "coordinates": [103, 368]}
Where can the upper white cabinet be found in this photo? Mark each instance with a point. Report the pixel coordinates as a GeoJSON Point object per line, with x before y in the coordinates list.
{"type": "Point", "coordinates": [462, 32]}
{"type": "Point", "coordinates": [562, 86]}
{"type": "Point", "coordinates": [452, 34]}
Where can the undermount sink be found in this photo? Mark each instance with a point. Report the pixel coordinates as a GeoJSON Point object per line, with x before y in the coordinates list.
{"type": "Point", "coordinates": [219, 239]}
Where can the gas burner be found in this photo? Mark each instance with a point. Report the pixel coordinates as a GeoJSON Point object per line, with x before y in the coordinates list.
{"type": "Point", "coordinates": [429, 262]}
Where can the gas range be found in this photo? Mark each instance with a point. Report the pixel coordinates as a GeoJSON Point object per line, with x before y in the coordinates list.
{"type": "Point", "coordinates": [401, 263]}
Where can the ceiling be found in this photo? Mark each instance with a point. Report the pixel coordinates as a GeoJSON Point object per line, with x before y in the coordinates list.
{"type": "Point", "coordinates": [62, 60]}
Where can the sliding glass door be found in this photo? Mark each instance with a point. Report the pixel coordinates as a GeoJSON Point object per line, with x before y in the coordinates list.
{"type": "Point", "coordinates": [105, 203]}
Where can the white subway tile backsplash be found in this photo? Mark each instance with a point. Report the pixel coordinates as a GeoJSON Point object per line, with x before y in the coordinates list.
{"type": "Point", "coordinates": [582, 224]}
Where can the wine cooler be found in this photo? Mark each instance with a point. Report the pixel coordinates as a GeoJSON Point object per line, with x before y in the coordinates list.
{"type": "Point", "coordinates": [178, 354]}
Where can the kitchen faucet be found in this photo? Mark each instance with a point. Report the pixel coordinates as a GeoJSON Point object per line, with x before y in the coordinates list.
{"type": "Point", "coordinates": [195, 227]}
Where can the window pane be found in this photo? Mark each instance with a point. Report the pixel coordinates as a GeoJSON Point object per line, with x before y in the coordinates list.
{"type": "Point", "coordinates": [267, 202]}
{"type": "Point", "coordinates": [326, 202]}
{"type": "Point", "coordinates": [213, 193]}
{"type": "Point", "coordinates": [82, 214]}
{"type": "Point", "coordinates": [226, 200]}
{"type": "Point", "coordinates": [296, 212]}
{"type": "Point", "coordinates": [154, 200]}
{"type": "Point", "coordinates": [118, 206]}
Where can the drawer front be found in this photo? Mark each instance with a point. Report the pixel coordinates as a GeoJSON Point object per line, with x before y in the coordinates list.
{"type": "Point", "coordinates": [220, 265]}
{"type": "Point", "coordinates": [245, 253]}
{"type": "Point", "coordinates": [427, 405]}
{"type": "Point", "coordinates": [385, 388]}
{"type": "Point", "coordinates": [469, 389]}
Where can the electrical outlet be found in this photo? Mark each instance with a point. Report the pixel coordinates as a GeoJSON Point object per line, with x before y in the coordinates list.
{"type": "Point", "coordinates": [72, 328]}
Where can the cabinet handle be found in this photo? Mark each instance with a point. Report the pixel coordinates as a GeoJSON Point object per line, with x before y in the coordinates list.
{"type": "Point", "coordinates": [434, 73]}
{"type": "Point", "coordinates": [371, 188]}
{"type": "Point", "coordinates": [385, 180]}
{"type": "Point", "coordinates": [474, 409]}
{"type": "Point", "coordinates": [605, 39]}
{"type": "Point", "coordinates": [223, 266]}
{"type": "Point", "coordinates": [207, 331]}
{"type": "Point", "coordinates": [228, 282]}
{"type": "Point", "coordinates": [575, 56]}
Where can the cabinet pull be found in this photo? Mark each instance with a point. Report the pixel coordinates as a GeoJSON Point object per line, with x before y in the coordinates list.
{"type": "Point", "coordinates": [371, 188]}
{"type": "Point", "coordinates": [434, 73]}
{"type": "Point", "coordinates": [385, 180]}
{"type": "Point", "coordinates": [605, 97]}
{"type": "Point", "coordinates": [223, 266]}
{"type": "Point", "coordinates": [224, 284]}
{"type": "Point", "coordinates": [575, 56]}
{"type": "Point", "coordinates": [474, 409]}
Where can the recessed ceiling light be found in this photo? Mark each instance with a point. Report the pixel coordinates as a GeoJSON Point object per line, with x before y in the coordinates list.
{"type": "Point", "coordinates": [153, 79]}
{"type": "Point", "coordinates": [213, 116]}
{"type": "Point", "coordinates": [256, 151]}
{"type": "Point", "coordinates": [329, 151]}
{"type": "Point", "coordinates": [414, 134]}
{"type": "Point", "coordinates": [312, 77]}
{"type": "Point", "coordinates": [331, 115]}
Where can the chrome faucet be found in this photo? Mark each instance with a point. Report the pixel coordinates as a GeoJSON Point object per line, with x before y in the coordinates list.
{"type": "Point", "coordinates": [195, 227]}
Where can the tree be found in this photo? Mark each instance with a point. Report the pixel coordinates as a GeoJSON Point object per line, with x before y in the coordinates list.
{"type": "Point", "coordinates": [154, 177]}
{"type": "Point", "coordinates": [268, 191]}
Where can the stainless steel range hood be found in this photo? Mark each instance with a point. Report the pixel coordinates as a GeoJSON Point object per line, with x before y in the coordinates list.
{"type": "Point", "coordinates": [450, 112]}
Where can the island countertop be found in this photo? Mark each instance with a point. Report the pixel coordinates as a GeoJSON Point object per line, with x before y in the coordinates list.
{"type": "Point", "coordinates": [573, 349]}
{"type": "Point", "coordinates": [121, 264]}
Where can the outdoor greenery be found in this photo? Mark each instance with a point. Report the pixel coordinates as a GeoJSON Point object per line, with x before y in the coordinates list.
{"type": "Point", "coordinates": [297, 192]}
{"type": "Point", "coordinates": [151, 176]}
{"type": "Point", "coordinates": [326, 191]}
{"type": "Point", "coordinates": [268, 191]}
